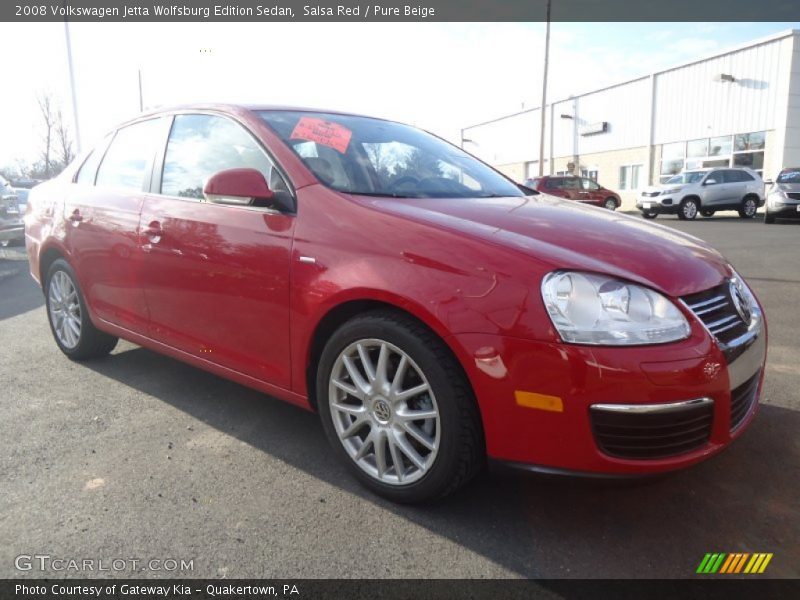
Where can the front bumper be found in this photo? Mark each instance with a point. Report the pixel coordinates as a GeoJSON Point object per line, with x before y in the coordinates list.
{"type": "Point", "coordinates": [658, 204]}
{"type": "Point", "coordinates": [537, 398]}
{"type": "Point", "coordinates": [784, 210]}
{"type": "Point", "coordinates": [12, 231]}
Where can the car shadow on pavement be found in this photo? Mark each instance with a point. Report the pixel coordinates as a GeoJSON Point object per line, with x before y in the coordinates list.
{"type": "Point", "coordinates": [744, 500]}
{"type": "Point", "coordinates": [26, 296]}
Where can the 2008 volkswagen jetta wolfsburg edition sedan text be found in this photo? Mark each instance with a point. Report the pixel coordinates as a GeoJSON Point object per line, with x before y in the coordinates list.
{"type": "Point", "coordinates": [429, 311]}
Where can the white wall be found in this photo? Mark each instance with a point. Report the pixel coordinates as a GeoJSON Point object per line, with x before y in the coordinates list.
{"type": "Point", "coordinates": [687, 103]}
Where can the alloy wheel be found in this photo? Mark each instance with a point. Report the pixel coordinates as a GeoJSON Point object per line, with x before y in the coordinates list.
{"type": "Point", "coordinates": [65, 309]}
{"type": "Point", "coordinates": [750, 207]}
{"type": "Point", "coordinates": [689, 209]}
{"type": "Point", "coordinates": [384, 411]}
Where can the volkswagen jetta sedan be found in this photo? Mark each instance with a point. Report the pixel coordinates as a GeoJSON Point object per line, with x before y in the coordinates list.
{"type": "Point", "coordinates": [432, 313]}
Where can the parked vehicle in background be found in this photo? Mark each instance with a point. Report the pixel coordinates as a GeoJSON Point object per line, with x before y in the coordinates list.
{"type": "Point", "coordinates": [430, 311]}
{"type": "Point", "coordinates": [783, 200]}
{"type": "Point", "coordinates": [22, 188]}
{"type": "Point", "coordinates": [12, 229]}
{"type": "Point", "coordinates": [704, 191]}
{"type": "Point", "coordinates": [580, 189]}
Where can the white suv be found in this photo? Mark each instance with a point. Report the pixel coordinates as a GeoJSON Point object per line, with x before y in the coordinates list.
{"type": "Point", "coordinates": [704, 191]}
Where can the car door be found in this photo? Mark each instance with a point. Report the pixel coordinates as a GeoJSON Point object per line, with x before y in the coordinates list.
{"type": "Point", "coordinates": [716, 190]}
{"type": "Point", "coordinates": [216, 277]}
{"type": "Point", "coordinates": [102, 209]}
{"type": "Point", "coordinates": [590, 192]}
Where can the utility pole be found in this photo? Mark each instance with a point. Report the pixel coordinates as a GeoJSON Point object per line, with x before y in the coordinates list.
{"type": "Point", "coordinates": [141, 102]}
{"type": "Point", "coordinates": [543, 106]}
{"type": "Point", "coordinates": [72, 87]}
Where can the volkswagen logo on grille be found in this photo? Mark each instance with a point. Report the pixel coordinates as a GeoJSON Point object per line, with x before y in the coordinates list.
{"type": "Point", "coordinates": [740, 300]}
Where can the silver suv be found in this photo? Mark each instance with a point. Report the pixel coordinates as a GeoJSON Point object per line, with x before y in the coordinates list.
{"type": "Point", "coordinates": [704, 191]}
{"type": "Point", "coordinates": [12, 228]}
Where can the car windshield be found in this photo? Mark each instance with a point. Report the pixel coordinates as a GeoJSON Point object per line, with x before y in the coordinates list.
{"type": "Point", "coordinates": [687, 177]}
{"type": "Point", "coordinates": [360, 155]}
{"type": "Point", "coordinates": [789, 176]}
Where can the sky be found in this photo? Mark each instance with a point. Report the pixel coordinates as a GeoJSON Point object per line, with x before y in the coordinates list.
{"type": "Point", "coordinates": [439, 76]}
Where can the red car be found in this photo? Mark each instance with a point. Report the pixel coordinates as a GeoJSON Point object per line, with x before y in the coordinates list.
{"type": "Point", "coordinates": [432, 313]}
{"type": "Point", "coordinates": [580, 189]}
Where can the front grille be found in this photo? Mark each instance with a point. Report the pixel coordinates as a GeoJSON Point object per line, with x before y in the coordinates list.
{"type": "Point", "coordinates": [742, 399]}
{"type": "Point", "coordinates": [654, 434]}
{"type": "Point", "coordinates": [793, 195]}
{"type": "Point", "coordinates": [716, 310]}
{"type": "Point", "coordinates": [651, 194]}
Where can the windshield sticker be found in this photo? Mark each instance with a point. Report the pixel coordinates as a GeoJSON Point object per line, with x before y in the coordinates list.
{"type": "Point", "coordinates": [323, 132]}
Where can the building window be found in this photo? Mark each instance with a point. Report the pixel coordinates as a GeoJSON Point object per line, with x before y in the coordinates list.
{"type": "Point", "coordinates": [748, 150]}
{"type": "Point", "coordinates": [629, 177]}
{"type": "Point", "coordinates": [697, 148]}
{"type": "Point", "coordinates": [720, 146]}
{"type": "Point", "coordinates": [672, 159]}
{"type": "Point", "coordinates": [590, 173]}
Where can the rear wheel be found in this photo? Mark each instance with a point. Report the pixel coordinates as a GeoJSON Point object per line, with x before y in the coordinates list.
{"type": "Point", "coordinates": [707, 213]}
{"type": "Point", "coordinates": [397, 408]}
{"type": "Point", "coordinates": [70, 324]}
{"type": "Point", "coordinates": [688, 209]}
{"type": "Point", "coordinates": [610, 204]}
{"type": "Point", "coordinates": [748, 208]}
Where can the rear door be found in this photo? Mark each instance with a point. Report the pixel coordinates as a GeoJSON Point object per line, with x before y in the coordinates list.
{"type": "Point", "coordinates": [102, 209]}
{"type": "Point", "coordinates": [555, 187]}
{"type": "Point", "coordinates": [216, 277]}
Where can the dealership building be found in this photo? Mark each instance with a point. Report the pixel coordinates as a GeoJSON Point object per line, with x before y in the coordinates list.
{"type": "Point", "coordinates": [740, 107]}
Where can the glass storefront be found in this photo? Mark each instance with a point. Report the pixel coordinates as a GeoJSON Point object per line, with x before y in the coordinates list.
{"type": "Point", "coordinates": [740, 150]}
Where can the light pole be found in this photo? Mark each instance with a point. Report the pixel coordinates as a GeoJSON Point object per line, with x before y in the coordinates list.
{"type": "Point", "coordinates": [72, 87]}
{"type": "Point", "coordinates": [543, 106]}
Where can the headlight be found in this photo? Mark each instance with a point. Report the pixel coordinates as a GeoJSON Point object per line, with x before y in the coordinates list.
{"type": "Point", "coordinates": [672, 191]}
{"type": "Point", "coordinates": [593, 309]}
{"type": "Point", "coordinates": [776, 198]}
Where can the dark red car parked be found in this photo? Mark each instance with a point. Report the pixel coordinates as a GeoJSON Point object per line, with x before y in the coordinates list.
{"type": "Point", "coordinates": [430, 311]}
{"type": "Point", "coordinates": [580, 189]}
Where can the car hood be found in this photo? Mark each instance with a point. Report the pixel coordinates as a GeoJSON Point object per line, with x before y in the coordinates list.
{"type": "Point", "coordinates": [663, 186]}
{"type": "Point", "coordinates": [569, 235]}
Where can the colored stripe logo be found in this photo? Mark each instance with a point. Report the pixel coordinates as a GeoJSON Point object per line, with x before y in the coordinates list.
{"type": "Point", "coordinates": [720, 562]}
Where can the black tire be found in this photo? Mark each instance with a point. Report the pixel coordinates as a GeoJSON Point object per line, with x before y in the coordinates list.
{"type": "Point", "coordinates": [769, 219]}
{"type": "Point", "coordinates": [610, 203]}
{"type": "Point", "coordinates": [707, 213]}
{"type": "Point", "coordinates": [92, 343]}
{"type": "Point", "coordinates": [749, 207]}
{"type": "Point", "coordinates": [462, 452]}
{"type": "Point", "coordinates": [688, 209]}
{"type": "Point", "coordinates": [649, 215]}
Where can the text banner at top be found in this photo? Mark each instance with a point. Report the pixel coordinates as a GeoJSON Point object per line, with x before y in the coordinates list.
{"type": "Point", "coordinates": [393, 10]}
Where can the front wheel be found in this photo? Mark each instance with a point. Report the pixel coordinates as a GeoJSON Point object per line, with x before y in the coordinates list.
{"type": "Point", "coordinates": [649, 215]}
{"type": "Point", "coordinates": [398, 409]}
{"type": "Point", "coordinates": [610, 204]}
{"type": "Point", "coordinates": [688, 210]}
{"type": "Point", "coordinates": [769, 219]}
{"type": "Point", "coordinates": [74, 333]}
{"type": "Point", "coordinates": [749, 208]}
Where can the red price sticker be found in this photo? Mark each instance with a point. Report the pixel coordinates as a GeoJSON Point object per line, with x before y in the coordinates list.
{"type": "Point", "coordinates": [323, 132]}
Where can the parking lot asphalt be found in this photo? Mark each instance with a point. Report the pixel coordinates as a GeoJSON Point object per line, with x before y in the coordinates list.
{"type": "Point", "coordinates": [139, 456]}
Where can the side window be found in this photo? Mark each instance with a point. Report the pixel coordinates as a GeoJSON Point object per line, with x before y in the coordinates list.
{"type": "Point", "coordinates": [716, 176]}
{"type": "Point", "coordinates": [88, 170]}
{"type": "Point", "coordinates": [588, 184]}
{"type": "Point", "coordinates": [554, 183]}
{"type": "Point", "coordinates": [127, 159]}
{"type": "Point", "coordinates": [571, 183]}
{"type": "Point", "coordinates": [201, 145]}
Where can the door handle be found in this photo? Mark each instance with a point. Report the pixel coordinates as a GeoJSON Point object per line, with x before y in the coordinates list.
{"type": "Point", "coordinates": [153, 231]}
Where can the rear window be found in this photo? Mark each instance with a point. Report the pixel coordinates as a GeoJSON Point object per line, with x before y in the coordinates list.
{"type": "Point", "coordinates": [127, 159]}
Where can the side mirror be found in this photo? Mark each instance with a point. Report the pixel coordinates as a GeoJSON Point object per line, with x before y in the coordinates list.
{"type": "Point", "coordinates": [769, 182]}
{"type": "Point", "coordinates": [710, 182]}
{"type": "Point", "coordinates": [239, 187]}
